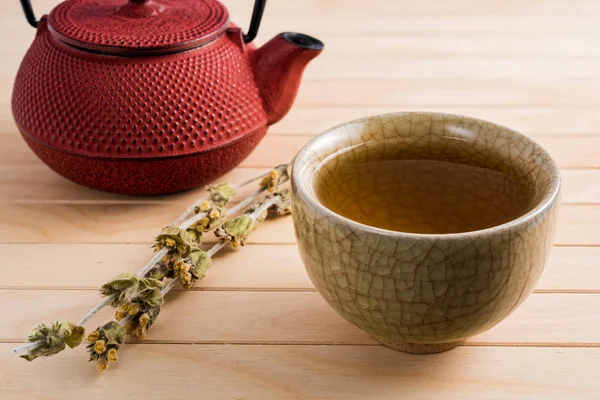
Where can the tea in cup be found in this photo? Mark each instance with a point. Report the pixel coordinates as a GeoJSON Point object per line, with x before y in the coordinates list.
{"type": "Point", "coordinates": [424, 229]}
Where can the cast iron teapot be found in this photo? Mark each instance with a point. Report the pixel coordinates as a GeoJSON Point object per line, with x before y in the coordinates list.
{"type": "Point", "coordinates": [152, 96]}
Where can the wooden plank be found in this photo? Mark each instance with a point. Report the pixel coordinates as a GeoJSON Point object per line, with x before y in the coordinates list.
{"type": "Point", "coordinates": [464, 96]}
{"type": "Point", "coordinates": [313, 119]}
{"type": "Point", "coordinates": [438, 83]}
{"type": "Point", "coordinates": [577, 225]}
{"type": "Point", "coordinates": [448, 94]}
{"type": "Point", "coordinates": [394, 66]}
{"type": "Point", "coordinates": [580, 186]}
{"type": "Point", "coordinates": [139, 223]}
{"type": "Point", "coordinates": [39, 184]}
{"type": "Point", "coordinates": [15, 152]}
{"type": "Point", "coordinates": [256, 267]}
{"type": "Point", "coordinates": [473, 46]}
{"type": "Point", "coordinates": [32, 182]}
{"type": "Point", "coordinates": [320, 24]}
{"type": "Point", "coordinates": [539, 76]}
{"type": "Point", "coordinates": [569, 151]}
{"type": "Point", "coordinates": [368, 23]}
{"type": "Point", "coordinates": [551, 47]}
{"type": "Point", "coordinates": [318, 112]}
{"type": "Point", "coordinates": [430, 8]}
{"type": "Point", "coordinates": [293, 317]}
{"type": "Point", "coordinates": [318, 109]}
{"type": "Point", "coordinates": [305, 372]}
{"type": "Point", "coordinates": [563, 106]}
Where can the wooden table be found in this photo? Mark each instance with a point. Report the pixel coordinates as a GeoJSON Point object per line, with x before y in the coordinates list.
{"type": "Point", "coordinates": [255, 328]}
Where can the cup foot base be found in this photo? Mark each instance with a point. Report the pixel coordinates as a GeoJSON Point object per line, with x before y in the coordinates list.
{"type": "Point", "coordinates": [417, 348]}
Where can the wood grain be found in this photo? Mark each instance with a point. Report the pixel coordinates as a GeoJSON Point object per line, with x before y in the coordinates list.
{"type": "Point", "coordinates": [467, 46]}
{"type": "Point", "coordinates": [293, 317]}
{"type": "Point", "coordinates": [256, 267]}
{"type": "Point", "coordinates": [551, 47]}
{"type": "Point", "coordinates": [138, 223]}
{"type": "Point", "coordinates": [569, 151]}
{"type": "Point", "coordinates": [320, 115]}
{"type": "Point", "coordinates": [39, 185]}
{"type": "Point", "coordinates": [534, 104]}
{"type": "Point", "coordinates": [331, 107]}
{"type": "Point", "coordinates": [259, 329]}
{"type": "Point", "coordinates": [367, 69]}
{"type": "Point", "coordinates": [425, 8]}
{"type": "Point", "coordinates": [306, 372]}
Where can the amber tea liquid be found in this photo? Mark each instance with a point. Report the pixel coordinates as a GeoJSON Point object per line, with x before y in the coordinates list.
{"type": "Point", "coordinates": [421, 196]}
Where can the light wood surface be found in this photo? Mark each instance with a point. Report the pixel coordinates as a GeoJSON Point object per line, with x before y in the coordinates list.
{"type": "Point", "coordinates": [255, 328]}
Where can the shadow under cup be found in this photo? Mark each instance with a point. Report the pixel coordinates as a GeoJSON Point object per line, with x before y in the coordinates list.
{"type": "Point", "coordinates": [421, 228]}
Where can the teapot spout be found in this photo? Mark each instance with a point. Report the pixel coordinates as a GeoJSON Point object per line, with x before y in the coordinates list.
{"type": "Point", "coordinates": [278, 66]}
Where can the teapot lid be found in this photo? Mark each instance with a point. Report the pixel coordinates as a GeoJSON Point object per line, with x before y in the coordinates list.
{"type": "Point", "coordinates": [138, 26]}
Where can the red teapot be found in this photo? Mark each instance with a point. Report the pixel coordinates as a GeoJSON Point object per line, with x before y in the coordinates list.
{"type": "Point", "coordinates": [152, 96]}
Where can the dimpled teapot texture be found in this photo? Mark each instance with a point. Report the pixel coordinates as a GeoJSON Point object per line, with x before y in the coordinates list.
{"type": "Point", "coordinates": [152, 97]}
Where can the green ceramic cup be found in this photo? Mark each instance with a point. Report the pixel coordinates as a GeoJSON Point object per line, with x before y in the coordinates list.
{"type": "Point", "coordinates": [424, 292]}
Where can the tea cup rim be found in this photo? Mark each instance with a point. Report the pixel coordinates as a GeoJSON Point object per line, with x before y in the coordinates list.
{"type": "Point", "coordinates": [299, 183]}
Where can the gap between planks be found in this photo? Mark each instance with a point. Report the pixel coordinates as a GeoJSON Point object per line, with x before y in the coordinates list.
{"type": "Point", "coordinates": [260, 372]}
{"type": "Point", "coordinates": [256, 289]}
{"type": "Point", "coordinates": [28, 182]}
{"type": "Point", "coordinates": [331, 343]}
{"type": "Point", "coordinates": [256, 267]}
{"type": "Point", "coordinates": [577, 225]}
{"type": "Point", "coordinates": [579, 189]}
{"type": "Point", "coordinates": [293, 317]}
{"type": "Point", "coordinates": [570, 152]}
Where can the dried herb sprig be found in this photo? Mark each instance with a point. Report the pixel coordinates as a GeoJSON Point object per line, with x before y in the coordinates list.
{"type": "Point", "coordinates": [141, 304]}
{"type": "Point", "coordinates": [237, 230]}
{"type": "Point", "coordinates": [186, 271]}
{"type": "Point", "coordinates": [220, 194]}
{"type": "Point", "coordinates": [254, 215]}
{"type": "Point", "coordinates": [136, 318]}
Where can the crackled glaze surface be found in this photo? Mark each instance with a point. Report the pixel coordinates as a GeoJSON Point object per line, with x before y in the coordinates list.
{"type": "Point", "coordinates": [425, 292]}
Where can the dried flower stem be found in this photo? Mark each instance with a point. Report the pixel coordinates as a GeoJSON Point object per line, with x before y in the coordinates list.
{"type": "Point", "coordinates": [106, 301]}
{"type": "Point", "coordinates": [184, 222]}
{"type": "Point", "coordinates": [169, 286]}
{"type": "Point", "coordinates": [179, 221]}
{"type": "Point", "coordinates": [211, 252]}
{"type": "Point", "coordinates": [190, 210]}
{"type": "Point", "coordinates": [246, 202]}
{"type": "Point", "coordinates": [232, 211]}
{"type": "Point", "coordinates": [264, 207]}
{"type": "Point", "coordinates": [26, 347]}
{"type": "Point", "coordinates": [218, 246]}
